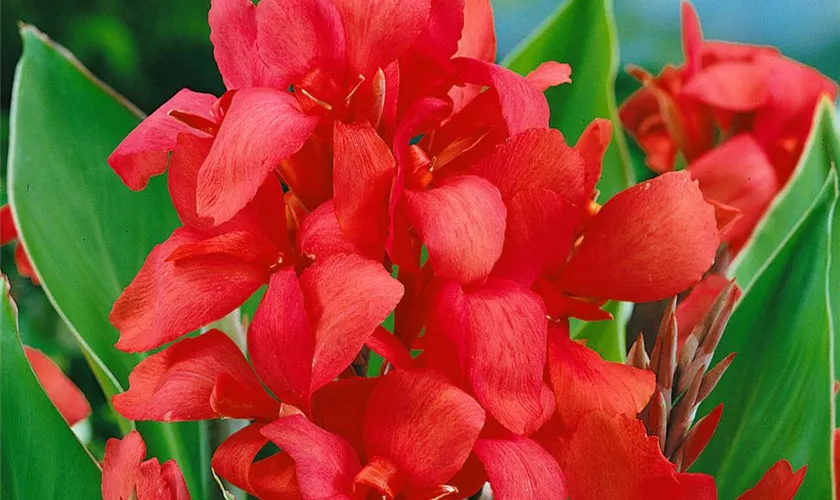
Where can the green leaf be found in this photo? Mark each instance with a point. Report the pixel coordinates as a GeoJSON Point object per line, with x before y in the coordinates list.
{"type": "Point", "coordinates": [581, 33]}
{"type": "Point", "coordinates": [777, 394]}
{"type": "Point", "coordinates": [86, 233]}
{"type": "Point", "coordinates": [40, 457]}
{"type": "Point", "coordinates": [607, 338]}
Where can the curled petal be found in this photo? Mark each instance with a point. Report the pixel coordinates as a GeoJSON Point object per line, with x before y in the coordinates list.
{"type": "Point", "coordinates": [583, 382]}
{"type": "Point", "coordinates": [516, 464]}
{"type": "Point", "coordinates": [780, 482]}
{"type": "Point", "coordinates": [648, 242]}
{"type": "Point", "coordinates": [262, 127]}
{"type": "Point", "coordinates": [692, 38]}
{"type": "Point", "coordinates": [478, 39]}
{"type": "Point", "coordinates": [233, 459]}
{"type": "Point", "coordinates": [320, 236]}
{"type": "Point", "coordinates": [168, 299]}
{"type": "Point", "coordinates": [67, 398]}
{"type": "Point", "coordinates": [422, 424]}
{"type": "Point", "coordinates": [179, 382]}
{"type": "Point", "coordinates": [731, 86]}
{"type": "Point", "coordinates": [592, 145]}
{"type": "Point", "coordinates": [550, 74]}
{"type": "Point", "coordinates": [325, 464]}
{"type": "Point", "coordinates": [521, 104]}
{"type": "Point", "coordinates": [145, 151]}
{"type": "Point", "coordinates": [642, 118]}
{"type": "Point", "coordinates": [462, 222]}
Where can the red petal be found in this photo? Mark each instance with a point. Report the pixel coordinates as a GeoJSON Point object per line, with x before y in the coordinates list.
{"type": "Point", "coordinates": [439, 40]}
{"type": "Point", "coordinates": [364, 172]}
{"type": "Point", "coordinates": [592, 145]}
{"type": "Point", "coordinates": [778, 483]}
{"type": "Point", "coordinates": [280, 340]}
{"type": "Point", "coordinates": [145, 151]}
{"type": "Point", "coordinates": [550, 74]}
{"type": "Point", "coordinates": [346, 297]}
{"type": "Point", "coordinates": [297, 349]}
{"type": "Point", "coordinates": [177, 383]}
{"type": "Point", "coordinates": [539, 235]}
{"type": "Point", "coordinates": [619, 448]}
{"type": "Point", "coordinates": [737, 174]}
{"type": "Point", "coordinates": [642, 118]}
{"type": "Point", "coordinates": [24, 265]}
{"type": "Point", "coordinates": [462, 223]}
{"type": "Point", "coordinates": [275, 478]}
{"type": "Point", "coordinates": [321, 237]}
{"type": "Point", "coordinates": [692, 309]}
{"type": "Point", "coordinates": [517, 465]}
{"type": "Point", "coordinates": [67, 398]}
{"type": "Point", "coordinates": [150, 483]}
{"type": "Point", "coordinates": [121, 466]}
{"type": "Point", "coordinates": [388, 346]}
{"type": "Point", "coordinates": [378, 32]}
{"type": "Point", "coordinates": [522, 105]}
{"type": "Point", "coordinates": [692, 37]}
{"type": "Point", "coordinates": [732, 86]}
{"type": "Point", "coordinates": [174, 479]}
{"type": "Point", "coordinates": [8, 232]}
{"type": "Point", "coordinates": [499, 332]}
{"type": "Point", "coordinates": [234, 458]}
{"type": "Point", "coordinates": [648, 242]}
{"type": "Point", "coordinates": [295, 37]}
{"type": "Point", "coordinates": [583, 382]}
{"type": "Point", "coordinates": [233, 31]}
{"type": "Point", "coordinates": [535, 159]}
{"type": "Point", "coordinates": [262, 127]}
{"type": "Point", "coordinates": [325, 463]}
{"type": "Point", "coordinates": [339, 407]}
{"type": "Point", "coordinates": [168, 299]}
{"type": "Point", "coordinates": [478, 39]}
{"type": "Point", "coordinates": [422, 424]}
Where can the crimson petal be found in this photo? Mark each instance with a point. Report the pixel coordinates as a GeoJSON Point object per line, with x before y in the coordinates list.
{"type": "Point", "coordinates": [145, 151]}
{"type": "Point", "coordinates": [423, 424]}
{"type": "Point", "coordinates": [462, 223]}
{"type": "Point", "coordinates": [179, 382]}
{"type": "Point", "coordinates": [67, 398]}
{"type": "Point", "coordinates": [262, 127]}
{"type": "Point", "coordinates": [517, 465]}
{"type": "Point", "coordinates": [646, 243]}
{"type": "Point", "coordinates": [233, 31]}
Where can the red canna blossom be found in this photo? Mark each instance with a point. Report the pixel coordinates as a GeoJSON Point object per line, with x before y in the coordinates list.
{"type": "Point", "coordinates": [758, 102]}
{"type": "Point", "coordinates": [126, 476]}
{"type": "Point", "coordinates": [8, 234]}
{"type": "Point", "coordinates": [67, 398]}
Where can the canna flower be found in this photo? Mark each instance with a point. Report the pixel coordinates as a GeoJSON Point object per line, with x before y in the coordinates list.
{"type": "Point", "coordinates": [126, 476]}
{"type": "Point", "coordinates": [759, 103]}
{"type": "Point", "coordinates": [407, 433]}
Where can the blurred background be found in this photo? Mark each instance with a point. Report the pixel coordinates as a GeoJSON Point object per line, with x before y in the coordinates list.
{"type": "Point", "coordinates": [150, 49]}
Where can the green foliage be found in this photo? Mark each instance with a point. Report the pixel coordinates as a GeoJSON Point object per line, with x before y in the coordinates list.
{"type": "Point", "coordinates": [607, 338]}
{"type": "Point", "coordinates": [86, 233]}
{"type": "Point", "coordinates": [581, 33]}
{"type": "Point", "coordinates": [40, 457]}
{"type": "Point", "coordinates": [777, 394]}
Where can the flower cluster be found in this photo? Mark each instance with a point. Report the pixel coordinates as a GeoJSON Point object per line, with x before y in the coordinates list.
{"type": "Point", "coordinates": [370, 161]}
{"type": "Point", "coordinates": [737, 114]}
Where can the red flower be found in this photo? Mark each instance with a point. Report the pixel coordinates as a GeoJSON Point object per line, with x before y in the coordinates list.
{"type": "Point", "coordinates": [125, 475]}
{"type": "Point", "coordinates": [778, 483]}
{"type": "Point", "coordinates": [759, 102]}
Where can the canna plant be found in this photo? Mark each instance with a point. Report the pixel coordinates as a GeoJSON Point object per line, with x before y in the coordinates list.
{"type": "Point", "coordinates": [381, 265]}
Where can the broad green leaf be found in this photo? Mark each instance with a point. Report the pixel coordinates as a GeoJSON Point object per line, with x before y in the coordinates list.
{"type": "Point", "coordinates": [581, 33]}
{"type": "Point", "coordinates": [606, 337]}
{"type": "Point", "coordinates": [777, 394]}
{"type": "Point", "coordinates": [86, 233]}
{"type": "Point", "coordinates": [40, 457]}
